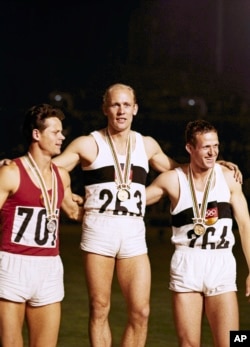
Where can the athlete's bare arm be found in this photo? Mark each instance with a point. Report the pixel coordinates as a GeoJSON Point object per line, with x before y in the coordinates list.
{"type": "Point", "coordinates": [158, 160]}
{"type": "Point", "coordinates": [241, 215]}
{"type": "Point", "coordinates": [83, 150]}
{"type": "Point", "coordinates": [9, 181]}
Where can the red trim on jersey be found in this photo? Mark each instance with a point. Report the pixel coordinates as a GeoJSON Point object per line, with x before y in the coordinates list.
{"type": "Point", "coordinates": [28, 194]}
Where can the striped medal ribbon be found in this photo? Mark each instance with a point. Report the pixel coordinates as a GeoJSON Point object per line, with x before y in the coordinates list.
{"type": "Point", "coordinates": [50, 204]}
{"type": "Point", "coordinates": [122, 176]}
{"type": "Point", "coordinates": [199, 213]}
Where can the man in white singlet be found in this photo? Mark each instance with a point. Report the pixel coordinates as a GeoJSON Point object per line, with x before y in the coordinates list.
{"type": "Point", "coordinates": [115, 165]}
{"type": "Point", "coordinates": [204, 199]}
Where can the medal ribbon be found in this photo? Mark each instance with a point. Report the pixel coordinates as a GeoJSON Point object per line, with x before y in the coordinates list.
{"type": "Point", "coordinates": [123, 180]}
{"type": "Point", "coordinates": [50, 206]}
{"type": "Point", "coordinates": [199, 213]}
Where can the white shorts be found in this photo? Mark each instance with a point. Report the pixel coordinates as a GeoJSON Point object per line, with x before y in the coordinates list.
{"type": "Point", "coordinates": [36, 280]}
{"type": "Point", "coordinates": [211, 272]}
{"type": "Point", "coordinates": [113, 236]}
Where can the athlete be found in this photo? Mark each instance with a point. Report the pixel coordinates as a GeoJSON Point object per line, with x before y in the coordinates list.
{"type": "Point", "coordinates": [32, 191]}
{"type": "Point", "coordinates": [204, 198]}
{"type": "Point", "coordinates": [115, 163]}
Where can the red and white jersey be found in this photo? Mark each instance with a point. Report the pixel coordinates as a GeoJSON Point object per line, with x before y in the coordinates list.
{"type": "Point", "coordinates": [23, 219]}
{"type": "Point", "coordinates": [99, 180]}
{"type": "Point", "coordinates": [219, 220]}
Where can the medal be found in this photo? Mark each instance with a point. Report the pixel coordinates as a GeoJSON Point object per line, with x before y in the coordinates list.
{"type": "Point", "coordinates": [50, 204]}
{"type": "Point", "coordinates": [122, 176]}
{"type": "Point", "coordinates": [51, 225]}
{"type": "Point", "coordinates": [122, 194]}
{"type": "Point", "coordinates": [212, 214]}
{"type": "Point", "coordinates": [199, 229]}
{"type": "Point", "coordinates": [199, 219]}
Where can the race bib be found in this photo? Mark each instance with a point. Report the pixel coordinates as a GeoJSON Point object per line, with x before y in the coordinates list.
{"type": "Point", "coordinates": [30, 228]}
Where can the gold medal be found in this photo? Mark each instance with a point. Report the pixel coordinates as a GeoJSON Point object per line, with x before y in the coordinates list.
{"type": "Point", "coordinates": [122, 176]}
{"type": "Point", "coordinates": [122, 195]}
{"type": "Point", "coordinates": [199, 219]}
{"type": "Point", "coordinates": [199, 229]}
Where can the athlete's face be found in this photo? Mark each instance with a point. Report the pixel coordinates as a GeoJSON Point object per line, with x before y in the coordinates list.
{"type": "Point", "coordinates": [51, 138]}
{"type": "Point", "coordinates": [204, 154]}
{"type": "Point", "coordinates": [120, 108]}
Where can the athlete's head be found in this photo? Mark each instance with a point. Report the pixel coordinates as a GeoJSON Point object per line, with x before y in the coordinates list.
{"type": "Point", "coordinates": [35, 118]}
{"type": "Point", "coordinates": [106, 95]}
{"type": "Point", "coordinates": [196, 127]}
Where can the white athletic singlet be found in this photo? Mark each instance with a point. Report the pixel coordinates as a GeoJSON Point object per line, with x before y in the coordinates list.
{"type": "Point", "coordinates": [100, 186]}
{"type": "Point", "coordinates": [218, 233]}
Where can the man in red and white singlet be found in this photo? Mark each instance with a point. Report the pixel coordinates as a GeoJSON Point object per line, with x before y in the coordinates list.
{"type": "Point", "coordinates": [32, 191]}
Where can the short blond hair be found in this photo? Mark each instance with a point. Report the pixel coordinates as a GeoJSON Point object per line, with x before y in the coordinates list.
{"type": "Point", "coordinates": [117, 85]}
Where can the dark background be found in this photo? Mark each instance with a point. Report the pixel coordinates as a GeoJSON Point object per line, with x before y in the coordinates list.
{"type": "Point", "coordinates": [172, 52]}
{"type": "Point", "coordinates": [186, 60]}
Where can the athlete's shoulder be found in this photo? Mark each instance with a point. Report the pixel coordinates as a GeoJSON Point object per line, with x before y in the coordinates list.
{"type": "Point", "coordinates": [9, 176]}
{"type": "Point", "coordinates": [10, 167]}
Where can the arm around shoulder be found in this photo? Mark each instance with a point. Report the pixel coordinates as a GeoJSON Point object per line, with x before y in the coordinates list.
{"type": "Point", "coordinates": [5, 161]}
{"type": "Point", "coordinates": [166, 184]}
{"type": "Point", "coordinates": [158, 160]}
{"type": "Point", "coordinates": [82, 150]}
{"type": "Point", "coordinates": [237, 173]}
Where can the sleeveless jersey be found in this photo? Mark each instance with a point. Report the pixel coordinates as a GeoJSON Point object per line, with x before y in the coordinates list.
{"type": "Point", "coordinates": [219, 234]}
{"type": "Point", "coordinates": [100, 186]}
{"type": "Point", "coordinates": [23, 219]}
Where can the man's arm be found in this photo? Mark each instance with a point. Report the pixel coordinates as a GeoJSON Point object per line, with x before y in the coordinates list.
{"type": "Point", "coordinates": [241, 215]}
{"type": "Point", "coordinates": [83, 150]}
{"type": "Point", "coordinates": [166, 184]}
{"type": "Point", "coordinates": [155, 191]}
{"type": "Point", "coordinates": [69, 158]}
{"type": "Point", "coordinates": [9, 181]}
{"type": "Point", "coordinates": [5, 161]}
{"type": "Point", "coordinates": [158, 160]}
{"type": "Point", "coordinates": [72, 204]}
{"type": "Point", "coordinates": [231, 166]}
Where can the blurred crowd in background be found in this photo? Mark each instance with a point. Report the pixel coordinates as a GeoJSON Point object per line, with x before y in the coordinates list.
{"type": "Point", "coordinates": [161, 115]}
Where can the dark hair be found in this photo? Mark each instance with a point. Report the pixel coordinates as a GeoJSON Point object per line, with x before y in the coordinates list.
{"type": "Point", "coordinates": [35, 118]}
{"type": "Point", "coordinates": [199, 126]}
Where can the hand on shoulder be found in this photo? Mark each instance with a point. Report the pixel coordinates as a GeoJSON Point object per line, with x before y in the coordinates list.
{"type": "Point", "coordinates": [234, 168]}
{"type": "Point", "coordinates": [230, 178]}
{"type": "Point", "coordinates": [5, 162]}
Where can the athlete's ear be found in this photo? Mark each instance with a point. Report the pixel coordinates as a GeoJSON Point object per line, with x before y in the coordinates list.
{"type": "Point", "coordinates": [136, 107]}
{"type": "Point", "coordinates": [104, 110]}
{"type": "Point", "coordinates": [35, 134]}
{"type": "Point", "coordinates": [188, 148]}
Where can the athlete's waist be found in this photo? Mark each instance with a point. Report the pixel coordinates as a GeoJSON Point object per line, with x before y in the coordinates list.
{"type": "Point", "coordinates": [46, 258]}
{"type": "Point", "coordinates": [30, 251]}
{"type": "Point", "coordinates": [112, 213]}
{"type": "Point", "coordinates": [200, 249]}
